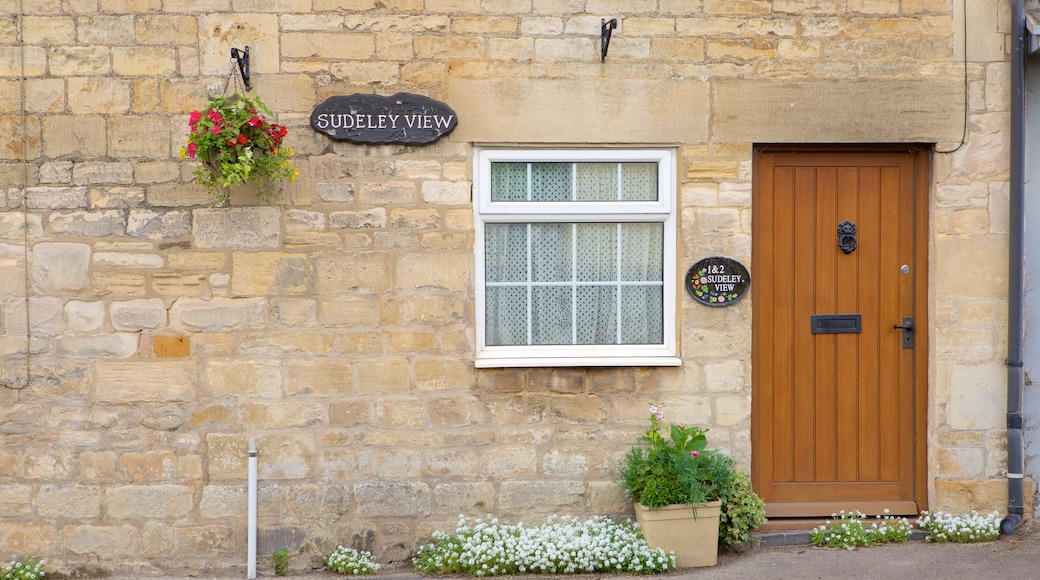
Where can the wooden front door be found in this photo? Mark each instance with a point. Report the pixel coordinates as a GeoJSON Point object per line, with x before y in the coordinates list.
{"type": "Point", "coordinates": [839, 392]}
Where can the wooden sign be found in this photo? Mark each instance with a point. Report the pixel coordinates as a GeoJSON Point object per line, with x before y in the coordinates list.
{"type": "Point", "coordinates": [371, 119]}
{"type": "Point", "coordinates": [718, 281]}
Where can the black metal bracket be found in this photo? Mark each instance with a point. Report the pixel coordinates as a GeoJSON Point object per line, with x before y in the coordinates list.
{"type": "Point", "coordinates": [847, 236]}
{"type": "Point", "coordinates": [241, 57]}
{"type": "Point", "coordinates": [606, 29]}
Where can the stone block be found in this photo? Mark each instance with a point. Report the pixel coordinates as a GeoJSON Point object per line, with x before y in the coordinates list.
{"type": "Point", "coordinates": [121, 345]}
{"type": "Point", "coordinates": [148, 501]}
{"type": "Point", "coordinates": [133, 136]}
{"type": "Point", "coordinates": [540, 497]}
{"type": "Point", "coordinates": [249, 228]}
{"type": "Point", "coordinates": [165, 29]}
{"type": "Point", "coordinates": [973, 404]}
{"type": "Point", "coordinates": [287, 456]}
{"type": "Point", "coordinates": [350, 413]}
{"type": "Point", "coordinates": [961, 496]}
{"type": "Point", "coordinates": [48, 466]}
{"type": "Point", "coordinates": [358, 220]}
{"type": "Point", "coordinates": [392, 499]}
{"type": "Point", "coordinates": [582, 409]}
{"type": "Point", "coordinates": [340, 272]}
{"type": "Point", "coordinates": [223, 501]}
{"type": "Point", "coordinates": [219, 314]}
{"type": "Point", "coordinates": [268, 273]}
{"type": "Point", "coordinates": [874, 111]}
{"type": "Point", "coordinates": [16, 501]}
{"type": "Point", "coordinates": [321, 378]}
{"type": "Point", "coordinates": [108, 541]}
{"type": "Point", "coordinates": [166, 346]}
{"type": "Point", "coordinates": [57, 197]}
{"type": "Point", "coordinates": [216, 25]}
{"type": "Point", "coordinates": [518, 110]}
{"type": "Point", "coordinates": [383, 376]}
{"type": "Point", "coordinates": [394, 413]}
{"type": "Point", "coordinates": [281, 414]}
{"type": "Point", "coordinates": [141, 314]}
{"type": "Point", "coordinates": [441, 271]}
{"type": "Point", "coordinates": [511, 463]}
{"type": "Point", "coordinates": [60, 267]}
{"type": "Point", "coordinates": [69, 501]}
{"type": "Point", "coordinates": [452, 499]}
{"type": "Point", "coordinates": [327, 46]}
{"type": "Point", "coordinates": [212, 541]}
{"type": "Point", "coordinates": [151, 224]}
{"type": "Point", "coordinates": [336, 192]}
{"type": "Point", "coordinates": [443, 374]}
{"type": "Point", "coordinates": [98, 96]}
{"type": "Point", "coordinates": [243, 378]}
{"type": "Point", "coordinates": [123, 382]}
{"type": "Point", "coordinates": [88, 223]}
{"type": "Point", "coordinates": [446, 192]}
{"type": "Point", "coordinates": [28, 538]}
{"type": "Point", "coordinates": [455, 462]}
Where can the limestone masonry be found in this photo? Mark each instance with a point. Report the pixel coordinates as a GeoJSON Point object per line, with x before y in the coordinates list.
{"type": "Point", "coordinates": [146, 336]}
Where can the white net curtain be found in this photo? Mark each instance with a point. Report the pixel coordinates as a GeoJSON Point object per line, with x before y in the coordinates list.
{"type": "Point", "coordinates": [564, 283]}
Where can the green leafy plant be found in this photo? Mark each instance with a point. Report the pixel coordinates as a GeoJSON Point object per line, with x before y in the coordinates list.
{"type": "Point", "coordinates": [678, 469]}
{"type": "Point", "coordinates": [849, 530]}
{"type": "Point", "coordinates": [30, 569]}
{"type": "Point", "coordinates": [743, 511]}
{"type": "Point", "coordinates": [942, 527]}
{"type": "Point", "coordinates": [562, 545]}
{"type": "Point", "coordinates": [351, 561]}
{"type": "Point", "coordinates": [236, 143]}
{"type": "Point", "coordinates": [281, 562]}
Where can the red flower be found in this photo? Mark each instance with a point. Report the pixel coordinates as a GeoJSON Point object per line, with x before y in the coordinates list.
{"type": "Point", "coordinates": [230, 143]}
{"type": "Point", "coordinates": [242, 139]}
{"type": "Point", "coordinates": [255, 122]}
{"type": "Point", "coordinates": [194, 118]}
{"type": "Point", "coordinates": [192, 149]}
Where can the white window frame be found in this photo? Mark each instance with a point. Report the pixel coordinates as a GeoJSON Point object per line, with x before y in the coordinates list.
{"type": "Point", "coordinates": [661, 210]}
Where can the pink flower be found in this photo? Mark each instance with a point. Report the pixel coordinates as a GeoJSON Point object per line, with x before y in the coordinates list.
{"type": "Point", "coordinates": [694, 453]}
{"type": "Point", "coordinates": [192, 149]}
{"type": "Point", "coordinates": [215, 117]}
{"type": "Point", "coordinates": [194, 118]}
{"type": "Point", "coordinates": [255, 122]}
{"type": "Point", "coordinates": [216, 129]}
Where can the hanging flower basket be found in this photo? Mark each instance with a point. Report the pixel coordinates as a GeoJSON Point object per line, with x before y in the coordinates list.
{"type": "Point", "coordinates": [236, 143]}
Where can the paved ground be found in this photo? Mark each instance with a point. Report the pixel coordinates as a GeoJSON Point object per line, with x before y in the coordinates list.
{"type": "Point", "coordinates": [1015, 557]}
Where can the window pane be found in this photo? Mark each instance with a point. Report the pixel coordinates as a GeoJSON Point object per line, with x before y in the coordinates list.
{"type": "Point", "coordinates": [551, 251]}
{"type": "Point", "coordinates": [508, 182]}
{"type": "Point", "coordinates": [505, 252]}
{"type": "Point", "coordinates": [642, 313]}
{"type": "Point", "coordinates": [642, 252]}
{"type": "Point", "coordinates": [551, 315]}
{"type": "Point", "coordinates": [597, 181]}
{"type": "Point", "coordinates": [506, 314]}
{"type": "Point", "coordinates": [550, 182]}
{"type": "Point", "coordinates": [597, 314]}
{"type": "Point", "coordinates": [639, 181]}
{"type": "Point", "coordinates": [597, 252]}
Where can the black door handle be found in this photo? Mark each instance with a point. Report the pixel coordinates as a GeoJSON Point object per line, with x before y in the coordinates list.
{"type": "Point", "coordinates": [903, 326]}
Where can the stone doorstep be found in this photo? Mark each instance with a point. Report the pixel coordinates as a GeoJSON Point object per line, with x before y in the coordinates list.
{"type": "Point", "coordinates": [781, 538]}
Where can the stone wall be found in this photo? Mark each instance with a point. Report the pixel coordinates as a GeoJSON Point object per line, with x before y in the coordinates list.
{"type": "Point", "coordinates": [145, 336]}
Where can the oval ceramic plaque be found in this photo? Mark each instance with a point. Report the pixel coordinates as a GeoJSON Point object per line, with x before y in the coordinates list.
{"type": "Point", "coordinates": [717, 281]}
{"type": "Point", "coordinates": [401, 118]}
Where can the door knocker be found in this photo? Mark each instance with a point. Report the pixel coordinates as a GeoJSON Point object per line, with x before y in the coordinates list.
{"type": "Point", "coordinates": [847, 236]}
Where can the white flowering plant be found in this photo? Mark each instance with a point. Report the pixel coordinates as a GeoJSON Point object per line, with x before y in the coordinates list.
{"type": "Point", "coordinates": [563, 545]}
{"type": "Point", "coordinates": [30, 569]}
{"type": "Point", "coordinates": [942, 527]}
{"type": "Point", "coordinates": [849, 530]}
{"type": "Point", "coordinates": [351, 561]}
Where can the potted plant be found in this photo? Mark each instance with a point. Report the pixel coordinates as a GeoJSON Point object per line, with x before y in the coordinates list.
{"type": "Point", "coordinates": [236, 143]}
{"type": "Point", "coordinates": [680, 491]}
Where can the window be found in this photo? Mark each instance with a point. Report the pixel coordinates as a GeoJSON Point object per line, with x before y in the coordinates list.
{"type": "Point", "coordinates": [575, 255]}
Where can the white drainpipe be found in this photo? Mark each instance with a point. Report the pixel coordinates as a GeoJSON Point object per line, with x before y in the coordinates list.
{"type": "Point", "coordinates": [252, 511]}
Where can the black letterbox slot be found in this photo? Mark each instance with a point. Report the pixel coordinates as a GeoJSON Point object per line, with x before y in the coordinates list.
{"type": "Point", "coordinates": [836, 324]}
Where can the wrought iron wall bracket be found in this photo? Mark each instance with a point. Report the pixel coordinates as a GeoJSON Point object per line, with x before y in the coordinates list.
{"type": "Point", "coordinates": [241, 57]}
{"type": "Point", "coordinates": [606, 29]}
{"type": "Point", "coordinates": [847, 236]}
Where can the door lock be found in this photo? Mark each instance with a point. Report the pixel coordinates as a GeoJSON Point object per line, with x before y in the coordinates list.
{"type": "Point", "coordinates": [908, 331]}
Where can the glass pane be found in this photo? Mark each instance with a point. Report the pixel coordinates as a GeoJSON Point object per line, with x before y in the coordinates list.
{"type": "Point", "coordinates": [597, 181]}
{"type": "Point", "coordinates": [551, 252]}
{"type": "Point", "coordinates": [508, 181]}
{"type": "Point", "coordinates": [642, 252]}
{"type": "Point", "coordinates": [639, 181]}
{"type": "Point", "coordinates": [506, 315]}
{"type": "Point", "coordinates": [597, 252]}
{"type": "Point", "coordinates": [642, 313]}
{"type": "Point", "coordinates": [550, 182]}
{"type": "Point", "coordinates": [505, 252]}
{"type": "Point", "coordinates": [551, 315]}
{"type": "Point", "coordinates": [597, 315]}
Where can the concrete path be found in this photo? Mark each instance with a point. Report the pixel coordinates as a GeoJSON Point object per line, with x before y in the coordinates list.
{"type": "Point", "coordinates": [1014, 557]}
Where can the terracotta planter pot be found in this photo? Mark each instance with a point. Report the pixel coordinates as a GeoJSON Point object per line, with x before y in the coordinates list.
{"type": "Point", "coordinates": [695, 541]}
